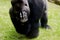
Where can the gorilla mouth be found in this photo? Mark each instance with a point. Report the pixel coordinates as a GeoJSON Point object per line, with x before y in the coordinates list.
{"type": "Point", "coordinates": [23, 16]}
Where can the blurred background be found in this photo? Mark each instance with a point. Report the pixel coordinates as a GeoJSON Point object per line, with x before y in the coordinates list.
{"type": "Point", "coordinates": [8, 32]}
{"type": "Point", "coordinates": [55, 1]}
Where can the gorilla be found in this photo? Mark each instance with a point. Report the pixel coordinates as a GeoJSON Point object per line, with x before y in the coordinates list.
{"type": "Point", "coordinates": [19, 13]}
{"type": "Point", "coordinates": [25, 16]}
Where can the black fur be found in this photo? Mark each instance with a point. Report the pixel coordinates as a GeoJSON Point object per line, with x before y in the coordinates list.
{"type": "Point", "coordinates": [36, 11]}
{"type": "Point", "coordinates": [20, 6]}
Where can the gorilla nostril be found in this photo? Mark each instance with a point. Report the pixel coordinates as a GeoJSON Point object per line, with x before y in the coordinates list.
{"type": "Point", "coordinates": [25, 4]}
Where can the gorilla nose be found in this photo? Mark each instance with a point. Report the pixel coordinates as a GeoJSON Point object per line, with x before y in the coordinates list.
{"type": "Point", "coordinates": [25, 4]}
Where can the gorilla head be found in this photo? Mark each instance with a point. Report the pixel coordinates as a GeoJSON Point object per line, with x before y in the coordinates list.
{"type": "Point", "coordinates": [22, 9]}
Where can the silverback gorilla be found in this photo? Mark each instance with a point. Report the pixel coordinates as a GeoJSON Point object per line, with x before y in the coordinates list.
{"type": "Point", "coordinates": [25, 15]}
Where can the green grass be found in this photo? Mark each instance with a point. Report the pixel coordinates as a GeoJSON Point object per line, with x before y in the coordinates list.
{"type": "Point", "coordinates": [7, 31]}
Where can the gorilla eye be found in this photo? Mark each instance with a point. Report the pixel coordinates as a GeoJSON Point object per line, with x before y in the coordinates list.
{"type": "Point", "coordinates": [25, 4]}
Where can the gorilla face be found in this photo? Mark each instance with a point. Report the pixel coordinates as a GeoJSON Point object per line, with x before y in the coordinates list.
{"type": "Point", "coordinates": [22, 8]}
{"type": "Point", "coordinates": [25, 11]}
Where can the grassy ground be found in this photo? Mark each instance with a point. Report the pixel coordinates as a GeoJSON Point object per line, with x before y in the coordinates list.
{"type": "Point", "coordinates": [7, 31]}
